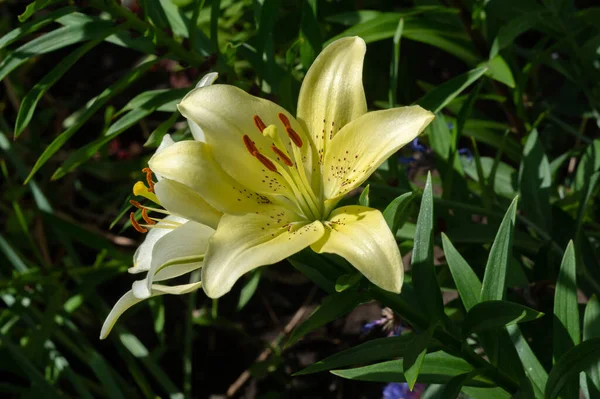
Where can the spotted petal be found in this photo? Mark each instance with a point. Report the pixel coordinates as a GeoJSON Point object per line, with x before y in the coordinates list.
{"type": "Point", "coordinates": [226, 114]}
{"type": "Point", "coordinates": [362, 145]}
{"type": "Point", "coordinates": [332, 92]}
{"type": "Point", "coordinates": [243, 243]}
{"type": "Point", "coordinates": [362, 237]}
{"type": "Point", "coordinates": [128, 300]}
{"type": "Point", "coordinates": [191, 164]}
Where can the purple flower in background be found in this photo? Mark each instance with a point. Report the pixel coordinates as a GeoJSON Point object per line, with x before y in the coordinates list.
{"type": "Point", "coordinates": [399, 390]}
{"type": "Point", "coordinates": [389, 323]}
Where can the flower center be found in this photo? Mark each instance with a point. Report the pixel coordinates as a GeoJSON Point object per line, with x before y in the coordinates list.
{"type": "Point", "coordinates": [289, 166]}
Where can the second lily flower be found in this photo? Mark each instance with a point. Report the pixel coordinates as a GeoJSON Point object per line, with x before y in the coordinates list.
{"type": "Point", "coordinates": [277, 179]}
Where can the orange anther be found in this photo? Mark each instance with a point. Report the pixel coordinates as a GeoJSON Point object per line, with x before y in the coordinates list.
{"type": "Point", "coordinates": [148, 172]}
{"type": "Point", "coordinates": [265, 161]}
{"type": "Point", "coordinates": [259, 123]}
{"type": "Point", "coordinates": [284, 119]}
{"type": "Point", "coordinates": [249, 144]}
{"type": "Point", "coordinates": [294, 136]}
{"type": "Point", "coordinates": [282, 156]}
{"type": "Point", "coordinates": [136, 204]}
{"type": "Point", "coordinates": [146, 217]}
{"type": "Point", "coordinates": [135, 224]}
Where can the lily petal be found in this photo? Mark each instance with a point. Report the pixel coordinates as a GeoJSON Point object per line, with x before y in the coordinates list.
{"type": "Point", "coordinates": [226, 114]}
{"type": "Point", "coordinates": [361, 235]}
{"type": "Point", "coordinates": [196, 130]}
{"type": "Point", "coordinates": [182, 200]}
{"type": "Point", "coordinates": [243, 243]}
{"type": "Point", "coordinates": [362, 145]}
{"type": "Point", "coordinates": [128, 300]}
{"type": "Point", "coordinates": [332, 92]}
{"type": "Point", "coordinates": [191, 163]}
{"type": "Point", "coordinates": [142, 258]}
{"type": "Point", "coordinates": [186, 244]}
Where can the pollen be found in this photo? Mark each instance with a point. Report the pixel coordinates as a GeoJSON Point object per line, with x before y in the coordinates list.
{"type": "Point", "coordinates": [146, 217]}
{"type": "Point", "coordinates": [265, 161]}
{"type": "Point", "coordinates": [135, 224]}
{"type": "Point", "coordinates": [259, 123]}
{"type": "Point", "coordinates": [294, 136]}
{"type": "Point", "coordinates": [284, 119]}
{"type": "Point", "coordinates": [284, 158]}
{"type": "Point", "coordinates": [249, 144]}
{"type": "Point", "coordinates": [148, 172]}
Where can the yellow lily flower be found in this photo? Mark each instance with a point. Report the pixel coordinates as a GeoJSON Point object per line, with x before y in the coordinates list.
{"type": "Point", "coordinates": [174, 245]}
{"type": "Point", "coordinates": [277, 179]}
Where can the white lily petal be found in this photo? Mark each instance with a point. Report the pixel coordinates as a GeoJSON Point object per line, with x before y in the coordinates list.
{"type": "Point", "coordinates": [142, 258]}
{"type": "Point", "coordinates": [182, 200]}
{"type": "Point", "coordinates": [196, 130]}
{"type": "Point", "coordinates": [187, 242]}
{"type": "Point", "coordinates": [362, 237]}
{"type": "Point", "coordinates": [128, 300]}
{"type": "Point", "coordinates": [332, 92]}
{"type": "Point", "coordinates": [243, 243]}
{"type": "Point", "coordinates": [362, 145]}
{"type": "Point", "coordinates": [191, 164]}
{"type": "Point", "coordinates": [226, 114]}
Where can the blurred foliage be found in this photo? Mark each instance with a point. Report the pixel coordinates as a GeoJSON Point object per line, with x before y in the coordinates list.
{"type": "Point", "coordinates": [90, 87]}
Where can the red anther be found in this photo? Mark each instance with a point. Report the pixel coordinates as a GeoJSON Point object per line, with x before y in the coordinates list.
{"type": "Point", "coordinates": [259, 123]}
{"type": "Point", "coordinates": [265, 161]}
{"type": "Point", "coordinates": [146, 217]}
{"type": "Point", "coordinates": [295, 137]}
{"type": "Point", "coordinates": [282, 156]}
{"type": "Point", "coordinates": [135, 224]}
{"type": "Point", "coordinates": [148, 172]}
{"type": "Point", "coordinates": [284, 119]}
{"type": "Point", "coordinates": [249, 144]}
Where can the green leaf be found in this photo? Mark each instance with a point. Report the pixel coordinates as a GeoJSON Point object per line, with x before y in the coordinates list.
{"type": "Point", "coordinates": [34, 7]}
{"type": "Point", "coordinates": [423, 270]}
{"type": "Point", "coordinates": [566, 333]}
{"type": "Point", "coordinates": [30, 27]}
{"type": "Point", "coordinates": [332, 308]}
{"type": "Point", "coordinates": [364, 196]}
{"type": "Point", "coordinates": [580, 358]}
{"type": "Point", "coordinates": [413, 359]}
{"type": "Point", "coordinates": [368, 352]}
{"type": "Point", "coordinates": [515, 27]}
{"type": "Point", "coordinates": [500, 71]}
{"type": "Point", "coordinates": [534, 370]}
{"type": "Point", "coordinates": [492, 314]}
{"type": "Point", "coordinates": [346, 281]}
{"type": "Point", "coordinates": [494, 279]}
{"type": "Point", "coordinates": [157, 135]}
{"type": "Point", "coordinates": [396, 212]}
{"type": "Point", "coordinates": [467, 282]}
{"type": "Point", "coordinates": [30, 101]}
{"type": "Point", "coordinates": [436, 99]}
{"type": "Point", "coordinates": [454, 386]}
{"type": "Point", "coordinates": [88, 111]}
{"type": "Point", "coordinates": [55, 40]}
{"type": "Point", "coordinates": [310, 36]}
{"type": "Point", "coordinates": [437, 368]}
{"type": "Point", "coordinates": [249, 289]}
{"type": "Point", "coordinates": [591, 329]}
{"type": "Point", "coordinates": [535, 180]}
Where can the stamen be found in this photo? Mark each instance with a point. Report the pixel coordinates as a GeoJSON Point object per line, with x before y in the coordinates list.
{"type": "Point", "coordinates": [284, 119]}
{"type": "Point", "coordinates": [136, 204]}
{"type": "Point", "coordinates": [284, 158]}
{"type": "Point", "coordinates": [259, 123]}
{"type": "Point", "coordinates": [295, 137]}
{"type": "Point", "coordinates": [249, 144]}
{"type": "Point", "coordinates": [265, 161]}
{"type": "Point", "coordinates": [135, 224]}
{"type": "Point", "coordinates": [146, 217]}
{"type": "Point", "coordinates": [148, 172]}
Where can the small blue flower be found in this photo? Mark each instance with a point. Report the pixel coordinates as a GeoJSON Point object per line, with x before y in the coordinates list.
{"type": "Point", "coordinates": [466, 152]}
{"type": "Point", "coordinates": [416, 146]}
{"type": "Point", "coordinates": [400, 390]}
